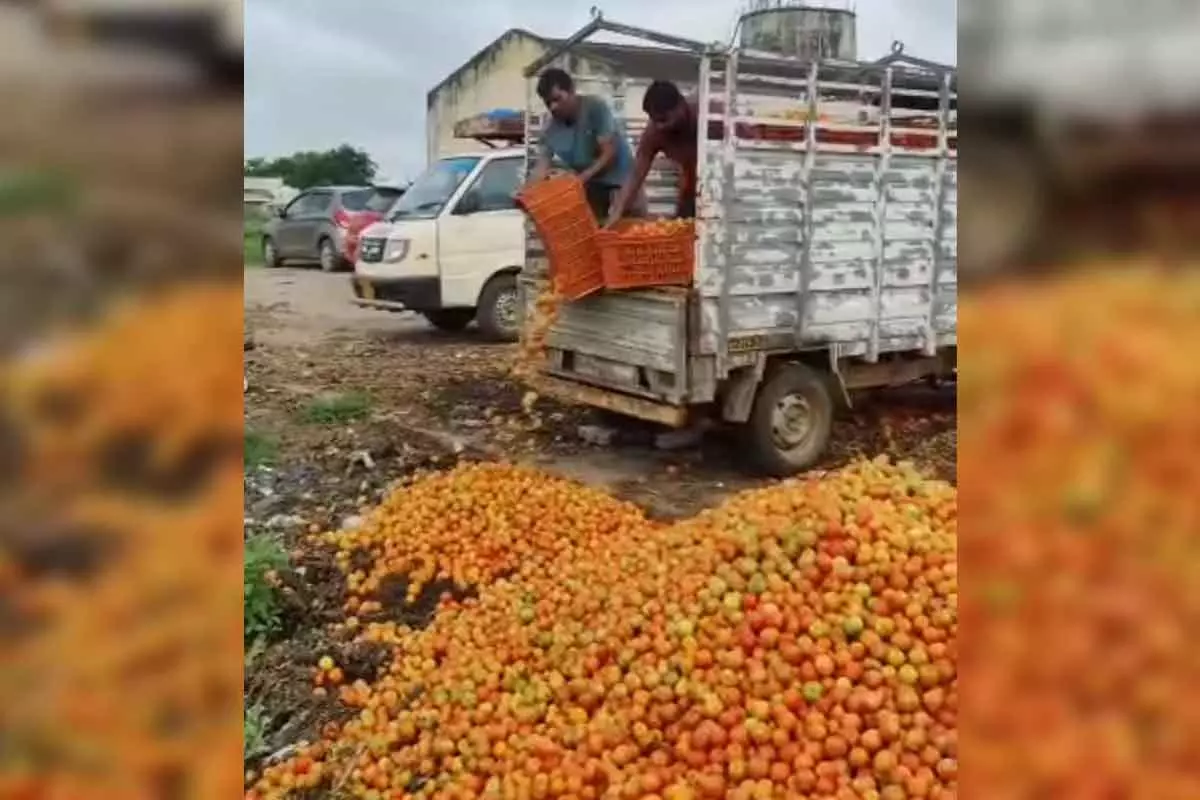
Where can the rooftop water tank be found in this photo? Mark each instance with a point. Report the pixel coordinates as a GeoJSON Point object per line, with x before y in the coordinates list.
{"type": "Point", "coordinates": [808, 30]}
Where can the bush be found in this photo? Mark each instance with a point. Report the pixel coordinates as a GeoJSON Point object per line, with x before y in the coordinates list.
{"type": "Point", "coordinates": [263, 557]}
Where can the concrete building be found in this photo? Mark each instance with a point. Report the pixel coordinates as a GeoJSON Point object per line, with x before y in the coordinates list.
{"type": "Point", "coordinates": [494, 78]}
{"type": "Point", "coordinates": [259, 194]}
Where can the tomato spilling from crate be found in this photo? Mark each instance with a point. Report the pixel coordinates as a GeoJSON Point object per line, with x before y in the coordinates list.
{"type": "Point", "coordinates": [559, 210]}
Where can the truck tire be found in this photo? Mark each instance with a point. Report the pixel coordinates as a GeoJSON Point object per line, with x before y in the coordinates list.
{"type": "Point", "coordinates": [791, 420]}
{"type": "Point", "coordinates": [451, 320]}
{"type": "Point", "coordinates": [499, 313]}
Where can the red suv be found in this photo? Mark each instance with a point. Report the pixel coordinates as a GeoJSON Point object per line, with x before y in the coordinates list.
{"type": "Point", "coordinates": [361, 209]}
{"type": "Point", "coordinates": [322, 224]}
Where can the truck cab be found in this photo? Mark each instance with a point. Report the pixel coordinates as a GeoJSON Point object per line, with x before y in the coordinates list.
{"type": "Point", "coordinates": [452, 247]}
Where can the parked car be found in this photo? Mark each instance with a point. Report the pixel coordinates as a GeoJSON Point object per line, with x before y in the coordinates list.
{"type": "Point", "coordinates": [318, 223]}
{"type": "Point", "coordinates": [451, 248]}
{"type": "Point", "coordinates": [376, 208]}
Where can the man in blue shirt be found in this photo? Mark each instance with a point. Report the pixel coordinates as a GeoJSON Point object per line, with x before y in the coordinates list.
{"type": "Point", "coordinates": [583, 134]}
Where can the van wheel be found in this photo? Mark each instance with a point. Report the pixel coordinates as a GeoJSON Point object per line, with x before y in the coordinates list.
{"type": "Point", "coordinates": [791, 420]}
{"type": "Point", "coordinates": [452, 320]}
{"type": "Point", "coordinates": [499, 309]}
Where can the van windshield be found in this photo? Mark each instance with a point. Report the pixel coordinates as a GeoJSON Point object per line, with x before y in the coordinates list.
{"type": "Point", "coordinates": [430, 192]}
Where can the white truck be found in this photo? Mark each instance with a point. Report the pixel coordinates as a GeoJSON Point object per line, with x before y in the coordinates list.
{"type": "Point", "coordinates": [210, 32]}
{"type": "Point", "coordinates": [826, 258]}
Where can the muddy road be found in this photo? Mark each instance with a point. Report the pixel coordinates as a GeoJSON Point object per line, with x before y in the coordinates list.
{"type": "Point", "coordinates": [422, 396]}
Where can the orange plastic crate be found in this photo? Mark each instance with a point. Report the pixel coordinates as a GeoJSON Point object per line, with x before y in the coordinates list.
{"type": "Point", "coordinates": [630, 259]}
{"type": "Point", "coordinates": [564, 221]}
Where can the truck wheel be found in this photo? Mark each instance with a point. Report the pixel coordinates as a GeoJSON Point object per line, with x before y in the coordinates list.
{"type": "Point", "coordinates": [452, 320]}
{"type": "Point", "coordinates": [790, 423]}
{"type": "Point", "coordinates": [499, 309]}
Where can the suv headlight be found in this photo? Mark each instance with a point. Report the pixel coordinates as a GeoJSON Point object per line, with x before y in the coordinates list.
{"type": "Point", "coordinates": [395, 250]}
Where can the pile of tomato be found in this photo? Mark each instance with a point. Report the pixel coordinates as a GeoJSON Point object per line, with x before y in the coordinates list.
{"type": "Point", "coordinates": [799, 641]}
{"type": "Point", "coordinates": [1077, 462]}
{"type": "Point", "coordinates": [474, 524]}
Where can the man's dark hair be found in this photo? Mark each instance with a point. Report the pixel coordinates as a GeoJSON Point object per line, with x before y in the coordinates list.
{"type": "Point", "coordinates": [551, 79]}
{"type": "Point", "coordinates": [661, 97]}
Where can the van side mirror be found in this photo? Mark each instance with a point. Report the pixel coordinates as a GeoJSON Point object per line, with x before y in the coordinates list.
{"type": "Point", "coordinates": [281, 212]}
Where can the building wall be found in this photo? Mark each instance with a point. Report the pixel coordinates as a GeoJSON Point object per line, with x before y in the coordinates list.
{"type": "Point", "coordinates": [497, 80]}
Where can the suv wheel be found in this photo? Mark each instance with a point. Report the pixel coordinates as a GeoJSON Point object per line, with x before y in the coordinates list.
{"type": "Point", "coordinates": [328, 257]}
{"type": "Point", "coordinates": [270, 253]}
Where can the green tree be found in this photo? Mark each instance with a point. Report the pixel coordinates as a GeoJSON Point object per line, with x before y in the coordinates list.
{"type": "Point", "coordinates": [344, 164]}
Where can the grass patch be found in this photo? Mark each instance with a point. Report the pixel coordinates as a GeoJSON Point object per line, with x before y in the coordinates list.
{"type": "Point", "coordinates": [263, 556]}
{"type": "Point", "coordinates": [260, 449]}
{"type": "Point", "coordinates": [254, 732]}
{"type": "Point", "coordinates": [252, 229]}
{"type": "Point", "coordinates": [337, 409]}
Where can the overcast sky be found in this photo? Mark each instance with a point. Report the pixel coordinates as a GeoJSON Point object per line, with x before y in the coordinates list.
{"type": "Point", "coordinates": [322, 72]}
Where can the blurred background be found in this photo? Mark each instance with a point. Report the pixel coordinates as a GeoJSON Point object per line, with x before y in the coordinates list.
{"type": "Point", "coordinates": [120, 411]}
{"type": "Point", "coordinates": [120, 149]}
{"type": "Point", "coordinates": [1081, 119]}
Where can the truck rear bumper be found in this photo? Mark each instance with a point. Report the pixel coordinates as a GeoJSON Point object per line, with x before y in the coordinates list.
{"type": "Point", "coordinates": [571, 392]}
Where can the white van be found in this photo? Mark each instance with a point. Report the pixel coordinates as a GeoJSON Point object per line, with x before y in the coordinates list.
{"type": "Point", "coordinates": [451, 247]}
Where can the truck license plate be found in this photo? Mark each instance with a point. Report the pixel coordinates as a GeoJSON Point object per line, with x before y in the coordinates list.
{"type": "Point", "coordinates": [368, 290]}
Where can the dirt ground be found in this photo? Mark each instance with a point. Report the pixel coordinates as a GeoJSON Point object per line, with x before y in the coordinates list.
{"type": "Point", "coordinates": [453, 391]}
{"type": "Point", "coordinates": [424, 400]}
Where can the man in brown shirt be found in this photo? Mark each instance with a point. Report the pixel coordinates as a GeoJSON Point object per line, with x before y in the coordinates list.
{"type": "Point", "coordinates": [672, 131]}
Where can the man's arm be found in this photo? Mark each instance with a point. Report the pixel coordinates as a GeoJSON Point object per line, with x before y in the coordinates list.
{"type": "Point", "coordinates": [541, 167]}
{"type": "Point", "coordinates": [605, 127]}
{"type": "Point", "coordinates": [646, 151]}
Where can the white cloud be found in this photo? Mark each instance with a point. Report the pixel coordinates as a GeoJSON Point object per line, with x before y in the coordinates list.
{"type": "Point", "coordinates": [303, 43]}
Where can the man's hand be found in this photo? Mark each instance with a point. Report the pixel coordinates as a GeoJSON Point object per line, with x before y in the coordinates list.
{"type": "Point", "coordinates": [617, 209]}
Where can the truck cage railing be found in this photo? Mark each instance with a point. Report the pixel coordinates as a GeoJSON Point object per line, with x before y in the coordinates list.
{"type": "Point", "coordinates": [601, 25]}
{"type": "Point", "coordinates": [908, 71]}
{"type": "Point", "coordinates": [894, 82]}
